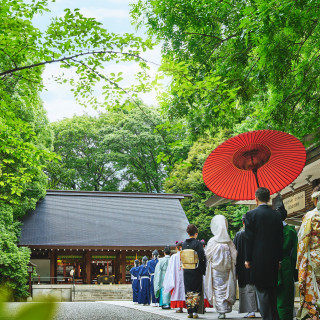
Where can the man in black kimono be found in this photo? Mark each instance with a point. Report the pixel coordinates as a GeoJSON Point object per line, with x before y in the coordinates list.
{"type": "Point", "coordinates": [264, 241]}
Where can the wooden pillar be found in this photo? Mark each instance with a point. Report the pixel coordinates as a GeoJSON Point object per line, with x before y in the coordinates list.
{"type": "Point", "coordinates": [123, 267]}
{"type": "Point", "coordinates": [117, 267]}
{"type": "Point", "coordinates": [107, 268]}
{"type": "Point", "coordinates": [53, 266]}
{"type": "Point", "coordinates": [88, 267]}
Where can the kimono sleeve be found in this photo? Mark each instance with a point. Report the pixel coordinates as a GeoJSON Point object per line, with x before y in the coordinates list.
{"type": "Point", "coordinates": [249, 235]}
{"type": "Point", "coordinates": [169, 279]}
{"type": "Point", "coordinates": [156, 280]}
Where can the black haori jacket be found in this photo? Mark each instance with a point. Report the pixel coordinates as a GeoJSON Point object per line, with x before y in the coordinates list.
{"type": "Point", "coordinates": [264, 242]}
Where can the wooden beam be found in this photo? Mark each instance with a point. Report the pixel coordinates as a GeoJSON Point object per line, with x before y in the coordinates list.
{"type": "Point", "coordinates": [106, 250]}
{"type": "Point", "coordinates": [53, 266]}
{"type": "Point", "coordinates": [123, 267]}
{"type": "Point", "coordinates": [88, 267]}
{"type": "Point", "coordinates": [117, 268]}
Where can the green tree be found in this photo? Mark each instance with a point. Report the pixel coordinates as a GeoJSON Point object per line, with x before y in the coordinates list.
{"type": "Point", "coordinates": [259, 56]}
{"type": "Point", "coordinates": [186, 177]}
{"type": "Point", "coordinates": [85, 162]}
{"type": "Point", "coordinates": [127, 146]}
{"type": "Point", "coordinates": [13, 260]}
{"type": "Point", "coordinates": [71, 42]}
{"type": "Point", "coordinates": [25, 142]}
{"type": "Point", "coordinates": [139, 142]}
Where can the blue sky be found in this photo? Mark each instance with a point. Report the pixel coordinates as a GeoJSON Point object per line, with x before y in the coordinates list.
{"type": "Point", "coordinates": [114, 14]}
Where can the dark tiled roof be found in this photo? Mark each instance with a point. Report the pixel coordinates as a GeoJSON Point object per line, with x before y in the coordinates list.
{"type": "Point", "coordinates": [106, 219]}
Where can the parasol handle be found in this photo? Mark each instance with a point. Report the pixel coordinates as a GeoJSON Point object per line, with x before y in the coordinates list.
{"type": "Point", "coordinates": [255, 172]}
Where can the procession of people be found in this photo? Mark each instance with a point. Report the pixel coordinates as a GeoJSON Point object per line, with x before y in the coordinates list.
{"type": "Point", "coordinates": [264, 258]}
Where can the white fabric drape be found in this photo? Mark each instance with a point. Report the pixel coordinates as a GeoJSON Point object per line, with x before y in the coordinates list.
{"type": "Point", "coordinates": [220, 279]}
{"type": "Point", "coordinates": [219, 228]}
{"type": "Point", "coordinates": [173, 279]}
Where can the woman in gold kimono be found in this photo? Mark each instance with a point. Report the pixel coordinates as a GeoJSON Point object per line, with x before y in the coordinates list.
{"type": "Point", "coordinates": [308, 262]}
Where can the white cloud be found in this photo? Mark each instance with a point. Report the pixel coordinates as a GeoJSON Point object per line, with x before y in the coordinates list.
{"type": "Point", "coordinates": [58, 99]}
{"type": "Point", "coordinates": [60, 103]}
{"type": "Point", "coordinates": [58, 109]}
{"type": "Point", "coordinates": [102, 13]}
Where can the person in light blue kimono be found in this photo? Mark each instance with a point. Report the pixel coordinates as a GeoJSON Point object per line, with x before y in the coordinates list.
{"type": "Point", "coordinates": [144, 277]}
{"type": "Point", "coordinates": [152, 266]}
{"type": "Point", "coordinates": [159, 274]}
{"type": "Point", "coordinates": [135, 281]}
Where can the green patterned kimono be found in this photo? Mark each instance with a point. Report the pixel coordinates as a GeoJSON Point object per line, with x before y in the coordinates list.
{"type": "Point", "coordinates": [285, 289]}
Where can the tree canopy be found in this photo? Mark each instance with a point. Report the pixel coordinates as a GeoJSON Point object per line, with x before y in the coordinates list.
{"type": "Point", "coordinates": [233, 61]}
{"type": "Point", "coordinates": [118, 150]}
{"type": "Point", "coordinates": [73, 42]}
{"type": "Point", "coordinates": [186, 177]}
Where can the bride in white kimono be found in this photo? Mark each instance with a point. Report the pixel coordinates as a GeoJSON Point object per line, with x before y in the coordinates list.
{"type": "Point", "coordinates": [220, 278]}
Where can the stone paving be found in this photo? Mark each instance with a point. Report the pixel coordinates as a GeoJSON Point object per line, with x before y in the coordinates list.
{"type": "Point", "coordinates": [116, 310]}
{"type": "Point", "coordinates": [87, 311]}
{"type": "Point", "coordinates": [113, 310]}
{"type": "Point", "coordinates": [210, 314]}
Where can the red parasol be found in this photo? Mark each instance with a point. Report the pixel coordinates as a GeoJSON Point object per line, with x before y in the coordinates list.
{"type": "Point", "coordinates": [265, 158]}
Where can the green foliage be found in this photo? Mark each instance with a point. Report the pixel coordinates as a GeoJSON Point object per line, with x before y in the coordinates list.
{"type": "Point", "coordinates": [255, 61]}
{"type": "Point", "coordinates": [24, 151]}
{"type": "Point", "coordinates": [84, 163]}
{"type": "Point", "coordinates": [128, 146]}
{"type": "Point", "coordinates": [186, 177]}
{"type": "Point", "coordinates": [13, 260]}
{"type": "Point", "coordinates": [71, 41]}
{"type": "Point", "coordinates": [25, 144]}
{"type": "Point", "coordinates": [38, 311]}
{"type": "Point", "coordinates": [143, 144]}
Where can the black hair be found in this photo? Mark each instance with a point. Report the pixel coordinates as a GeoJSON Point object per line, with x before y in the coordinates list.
{"type": "Point", "coordinates": [192, 230]}
{"type": "Point", "coordinates": [263, 194]}
{"type": "Point", "coordinates": [167, 250]}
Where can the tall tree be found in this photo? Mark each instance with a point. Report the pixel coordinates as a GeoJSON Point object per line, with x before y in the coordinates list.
{"type": "Point", "coordinates": [239, 60]}
{"type": "Point", "coordinates": [137, 145]}
{"type": "Point", "coordinates": [25, 143]}
{"type": "Point", "coordinates": [71, 42]}
{"type": "Point", "coordinates": [85, 162]}
{"type": "Point", "coordinates": [118, 150]}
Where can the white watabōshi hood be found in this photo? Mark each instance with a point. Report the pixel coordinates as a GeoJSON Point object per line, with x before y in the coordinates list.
{"type": "Point", "coordinates": [219, 229]}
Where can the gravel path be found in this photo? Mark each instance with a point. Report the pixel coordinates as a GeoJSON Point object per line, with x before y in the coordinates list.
{"type": "Point", "coordinates": [92, 311]}
{"type": "Point", "coordinates": [99, 311]}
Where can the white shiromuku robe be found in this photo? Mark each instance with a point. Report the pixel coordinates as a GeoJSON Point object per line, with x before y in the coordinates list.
{"type": "Point", "coordinates": [173, 280]}
{"type": "Point", "coordinates": [220, 278]}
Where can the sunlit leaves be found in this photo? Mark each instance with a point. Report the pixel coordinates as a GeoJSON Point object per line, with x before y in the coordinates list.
{"type": "Point", "coordinates": [265, 53]}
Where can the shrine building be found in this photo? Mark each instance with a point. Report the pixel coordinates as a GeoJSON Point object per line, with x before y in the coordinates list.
{"type": "Point", "coordinates": [99, 233]}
